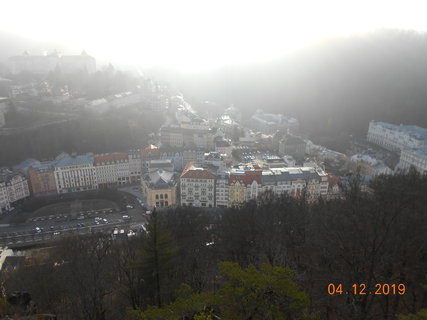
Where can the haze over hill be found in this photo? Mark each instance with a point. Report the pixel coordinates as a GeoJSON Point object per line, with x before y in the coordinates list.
{"type": "Point", "coordinates": [333, 87]}
{"type": "Point", "coordinates": [12, 44]}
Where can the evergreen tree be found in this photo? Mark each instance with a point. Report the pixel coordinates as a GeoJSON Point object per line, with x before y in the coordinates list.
{"type": "Point", "coordinates": [156, 258]}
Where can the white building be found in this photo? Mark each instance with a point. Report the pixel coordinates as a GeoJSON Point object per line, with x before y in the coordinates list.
{"type": "Point", "coordinates": [221, 190]}
{"type": "Point", "coordinates": [13, 187]}
{"type": "Point", "coordinates": [44, 64]}
{"type": "Point", "coordinates": [372, 165]}
{"type": "Point", "coordinates": [416, 157]}
{"type": "Point", "coordinates": [4, 201]}
{"type": "Point", "coordinates": [135, 165]}
{"type": "Point", "coordinates": [295, 181]}
{"type": "Point", "coordinates": [395, 138]}
{"type": "Point", "coordinates": [197, 187]}
{"type": "Point", "coordinates": [17, 188]}
{"type": "Point", "coordinates": [74, 174]}
{"type": "Point", "coordinates": [112, 169]}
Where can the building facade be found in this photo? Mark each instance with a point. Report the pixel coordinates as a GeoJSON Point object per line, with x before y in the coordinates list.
{"type": "Point", "coordinates": [13, 187]}
{"type": "Point", "coordinates": [395, 138]}
{"type": "Point", "coordinates": [160, 188]}
{"type": "Point", "coordinates": [73, 174]}
{"type": "Point", "coordinates": [46, 63]}
{"type": "Point", "coordinates": [4, 201]}
{"type": "Point", "coordinates": [416, 157]}
{"type": "Point", "coordinates": [112, 169]}
{"type": "Point", "coordinates": [292, 145]}
{"type": "Point", "coordinates": [222, 190]}
{"type": "Point", "coordinates": [42, 179]}
{"type": "Point", "coordinates": [135, 165]}
{"type": "Point", "coordinates": [149, 153]}
{"type": "Point", "coordinates": [298, 181]}
{"type": "Point", "coordinates": [197, 187]}
{"type": "Point", "coordinates": [244, 185]}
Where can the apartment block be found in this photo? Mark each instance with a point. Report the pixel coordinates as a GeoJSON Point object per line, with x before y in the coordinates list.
{"type": "Point", "coordinates": [73, 174]}
{"type": "Point", "coordinates": [197, 187]}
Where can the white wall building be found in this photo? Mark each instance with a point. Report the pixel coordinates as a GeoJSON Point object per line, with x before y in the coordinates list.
{"type": "Point", "coordinates": [135, 165]}
{"type": "Point", "coordinates": [112, 169]}
{"type": "Point", "coordinates": [17, 188]}
{"type": "Point", "coordinates": [4, 201]}
{"type": "Point", "coordinates": [44, 64]}
{"type": "Point", "coordinates": [221, 189]}
{"type": "Point", "coordinates": [74, 174]}
{"type": "Point", "coordinates": [197, 187]}
{"type": "Point", "coordinates": [416, 157]}
{"type": "Point", "coordinates": [295, 181]}
{"type": "Point", "coordinates": [395, 138]}
{"type": "Point", "coordinates": [13, 187]}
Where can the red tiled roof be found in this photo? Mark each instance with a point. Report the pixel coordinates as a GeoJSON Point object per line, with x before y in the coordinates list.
{"type": "Point", "coordinates": [197, 174]}
{"type": "Point", "coordinates": [248, 177]}
{"type": "Point", "coordinates": [111, 157]}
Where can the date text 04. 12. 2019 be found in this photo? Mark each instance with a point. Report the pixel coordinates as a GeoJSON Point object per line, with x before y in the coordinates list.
{"type": "Point", "coordinates": [362, 288]}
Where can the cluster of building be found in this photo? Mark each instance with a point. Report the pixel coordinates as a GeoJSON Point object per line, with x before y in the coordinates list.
{"type": "Point", "coordinates": [201, 186]}
{"type": "Point", "coordinates": [204, 163]}
{"type": "Point", "coordinates": [270, 123]}
{"type": "Point", "coordinates": [408, 140]}
{"type": "Point", "coordinates": [43, 64]}
{"type": "Point", "coordinates": [68, 173]}
{"type": "Point", "coordinates": [188, 177]}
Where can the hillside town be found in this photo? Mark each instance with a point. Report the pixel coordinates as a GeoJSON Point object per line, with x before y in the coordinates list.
{"type": "Point", "coordinates": [219, 162]}
{"type": "Point", "coordinates": [286, 186]}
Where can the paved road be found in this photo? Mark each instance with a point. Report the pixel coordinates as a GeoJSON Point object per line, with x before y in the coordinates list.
{"type": "Point", "coordinates": [29, 239]}
{"type": "Point", "coordinates": [55, 226]}
{"type": "Point", "coordinates": [135, 191]}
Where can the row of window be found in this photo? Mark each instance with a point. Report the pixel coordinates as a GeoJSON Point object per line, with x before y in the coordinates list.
{"type": "Point", "coordinates": [162, 203]}
{"type": "Point", "coordinates": [161, 196]}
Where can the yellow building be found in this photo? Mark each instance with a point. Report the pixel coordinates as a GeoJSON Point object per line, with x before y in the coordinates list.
{"type": "Point", "coordinates": [243, 185]}
{"type": "Point", "coordinates": [160, 188]}
{"type": "Point", "coordinates": [236, 193]}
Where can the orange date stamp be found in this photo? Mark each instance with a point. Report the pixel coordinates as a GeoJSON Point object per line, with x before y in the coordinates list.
{"type": "Point", "coordinates": [363, 289]}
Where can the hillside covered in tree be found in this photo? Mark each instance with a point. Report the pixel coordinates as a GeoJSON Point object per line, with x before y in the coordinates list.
{"type": "Point", "coordinates": [334, 87]}
{"type": "Point", "coordinates": [273, 258]}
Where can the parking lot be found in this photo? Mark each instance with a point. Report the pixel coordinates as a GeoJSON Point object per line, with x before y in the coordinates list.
{"type": "Point", "coordinates": [75, 216]}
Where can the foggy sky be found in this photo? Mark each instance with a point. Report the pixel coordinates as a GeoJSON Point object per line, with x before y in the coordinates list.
{"type": "Point", "coordinates": [194, 35]}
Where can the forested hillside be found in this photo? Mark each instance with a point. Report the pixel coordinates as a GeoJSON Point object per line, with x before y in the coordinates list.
{"type": "Point", "coordinates": [118, 131]}
{"type": "Point", "coordinates": [271, 259]}
{"type": "Point", "coordinates": [335, 86]}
